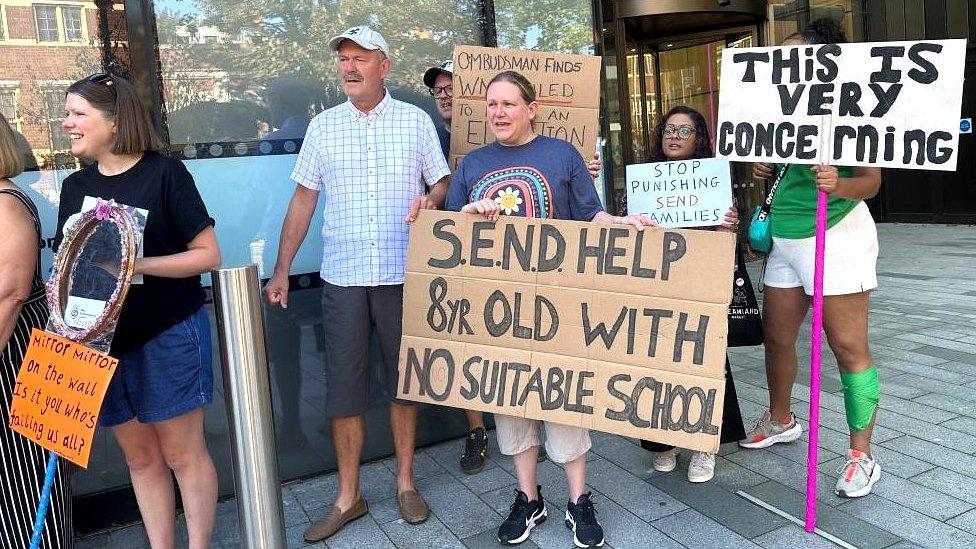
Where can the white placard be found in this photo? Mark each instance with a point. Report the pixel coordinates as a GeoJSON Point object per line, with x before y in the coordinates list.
{"type": "Point", "coordinates": [685, 193]}
{"type": "Point", "coordinates": [81, 312]}
{"type": "Point", "coordinates": [885, 104]}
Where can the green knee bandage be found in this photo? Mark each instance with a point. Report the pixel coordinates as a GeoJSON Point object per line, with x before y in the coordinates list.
{"type": "Point", "coordinates": [861, 393]}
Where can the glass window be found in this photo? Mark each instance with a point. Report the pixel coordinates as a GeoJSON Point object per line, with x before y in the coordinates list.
{"type": "Point", "coordinates": [240, 84]}
{"type": "Point", "coordinates": [72, 23]}
{"type": "Point", "coordinates": [54, 114]}
{"type": "Point", "coordinates": [47, 23]}
{"type": "Point", "coordinates": [232, 76]}
{"type": "Point", "coordinates": [548, 25]}
{"type": "Point", "coordinates": [8, 104]}
{"type": "Point", "coordinates": [790, 17]}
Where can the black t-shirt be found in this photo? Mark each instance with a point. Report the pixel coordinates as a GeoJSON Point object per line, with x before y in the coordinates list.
{"type": "Point", "coordinates": [162, 186]}
{"type": "Point", "coordinates": [445, 138]}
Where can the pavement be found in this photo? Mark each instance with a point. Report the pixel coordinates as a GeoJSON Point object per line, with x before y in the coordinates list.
{"type": "Point", "coordinates": [923, 338]}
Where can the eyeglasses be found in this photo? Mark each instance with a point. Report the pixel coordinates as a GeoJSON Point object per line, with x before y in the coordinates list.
{"type": "Point", "coordinates": [438, 90]}
{"type": "Point", "coordinates": [683, 132]}
{"type": "Point", "coordinates": [101, 78]}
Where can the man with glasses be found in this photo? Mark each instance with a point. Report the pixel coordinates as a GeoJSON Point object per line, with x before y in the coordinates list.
{"type": "Point", "coordinates": [438, 82]}
{"type": "Point", "coordinates": [373, 156]}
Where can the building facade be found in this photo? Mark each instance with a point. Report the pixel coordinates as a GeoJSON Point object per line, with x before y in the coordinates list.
{"type": "Point", "coordinates": [233, 85]}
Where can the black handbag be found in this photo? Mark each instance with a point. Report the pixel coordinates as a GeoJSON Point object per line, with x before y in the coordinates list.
{"type": "Point", "coordinates": [745, 321]}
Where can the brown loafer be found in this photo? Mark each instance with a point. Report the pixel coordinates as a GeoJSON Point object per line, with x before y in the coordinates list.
{"type": "Point", "coordinates": [334, 520]}
{"type": "Point", "coordinates": [412, 507]}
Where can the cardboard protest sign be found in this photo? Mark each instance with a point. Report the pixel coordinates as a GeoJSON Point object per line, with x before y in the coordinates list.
{"type": "Point", "coordinates": [885, 104]}
{"type": "Point", "coordinates": [604, 327]}
{"type": "Point", "coordinates": [567, 90]}
{"type": "Point", "coordinates": [59, 393]}
{"type": "Point", "coordinates": [685, 193]}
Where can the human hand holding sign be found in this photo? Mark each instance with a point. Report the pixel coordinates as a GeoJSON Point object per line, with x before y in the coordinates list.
{"type": "Point", "coordinates": [762, 170]}
{"type": "Point", "coordinates": [826, 178]}
{"type": "Point", "coordinates": [593, 166]}
{"type": "Point", "coordinates": [638, 221]}
{"type": "Point", "coordinates": [486, 206]}
{"type": "Point", "coordinates": [731, 222]}
{"type": "Point", "coordinates": [422, 202]}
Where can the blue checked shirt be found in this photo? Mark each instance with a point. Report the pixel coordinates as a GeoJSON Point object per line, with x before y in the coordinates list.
{"type": "Point", "coordinates": [370, 167]}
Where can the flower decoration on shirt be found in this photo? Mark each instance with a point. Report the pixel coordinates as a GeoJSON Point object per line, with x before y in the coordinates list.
{"type": "Point", "coordinates": [103, 209]}
{"type": "Point", "coordinates": [509, 200]}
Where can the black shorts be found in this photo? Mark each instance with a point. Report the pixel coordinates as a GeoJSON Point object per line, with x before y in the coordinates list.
{"type": "Point", "coordinates": [349, 315]}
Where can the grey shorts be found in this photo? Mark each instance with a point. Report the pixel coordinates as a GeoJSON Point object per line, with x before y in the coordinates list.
{"type": "Point", "coordinates": [355, 377]}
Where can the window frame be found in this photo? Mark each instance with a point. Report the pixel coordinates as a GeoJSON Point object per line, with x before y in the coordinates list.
{"type": "Point", "coordinates": [64, 21]}
{"type": "Point", "coordinates": [54, 19]}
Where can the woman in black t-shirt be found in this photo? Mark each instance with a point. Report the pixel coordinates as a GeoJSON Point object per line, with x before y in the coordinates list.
{"type": "Point", "coordinates": [155, 401]}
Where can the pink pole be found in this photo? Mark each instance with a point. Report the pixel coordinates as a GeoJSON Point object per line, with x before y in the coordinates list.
{"type": "Point", "coordinates": [817, 330]}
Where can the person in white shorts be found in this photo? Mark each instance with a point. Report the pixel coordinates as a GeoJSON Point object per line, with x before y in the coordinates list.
{"type": "Point", "coordinates": [851, 254]}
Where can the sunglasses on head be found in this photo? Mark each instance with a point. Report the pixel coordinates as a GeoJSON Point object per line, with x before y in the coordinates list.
{"type": "Point", "coordinates": [101, 78]}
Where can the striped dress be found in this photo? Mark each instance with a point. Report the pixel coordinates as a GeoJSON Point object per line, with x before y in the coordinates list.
{"type": "Point", "coordinates": [22, 462]}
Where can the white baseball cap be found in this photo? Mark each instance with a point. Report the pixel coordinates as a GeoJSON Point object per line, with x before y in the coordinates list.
{"type": "Point", "coordinates": [447, 68]}
{"type": "Point", "coordinates": [364, 36]}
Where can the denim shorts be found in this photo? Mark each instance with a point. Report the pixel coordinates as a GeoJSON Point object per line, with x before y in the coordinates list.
{"type": "Point", "coordinates": [167, 377]}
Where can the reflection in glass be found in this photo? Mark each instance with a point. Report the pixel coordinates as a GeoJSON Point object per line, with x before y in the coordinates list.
{"type": "Point", "coordinates": [94, 276]}
{"type": "Point", "coordinates": [564, 26]}
{"type": "Point", "coordinates": [245, 72]}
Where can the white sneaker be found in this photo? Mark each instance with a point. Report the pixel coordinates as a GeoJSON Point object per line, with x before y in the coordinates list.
{"type": "Point", "coordinates": [857, 476]}
{"type": "Point", "coordinates": [702, 467]}
{"type": "Point", "coordinates": [766, 432]}
{"type": "Point", "coordinates": [665, 461]}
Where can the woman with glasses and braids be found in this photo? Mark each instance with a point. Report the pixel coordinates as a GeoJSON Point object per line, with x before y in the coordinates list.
{"type": "Point", "coordinates": [682, 134]}
{"type": "Point", "coordinates": [154, 403]}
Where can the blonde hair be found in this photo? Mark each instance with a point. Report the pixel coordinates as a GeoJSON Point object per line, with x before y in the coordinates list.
{"type": "Point", "coordinates": [11, 157]}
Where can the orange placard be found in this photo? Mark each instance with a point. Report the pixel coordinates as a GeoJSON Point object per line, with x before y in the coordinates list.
{"type": "Point", "coordinates": [59, 394]}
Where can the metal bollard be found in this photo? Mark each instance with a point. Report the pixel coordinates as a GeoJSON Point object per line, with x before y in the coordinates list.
{"type": "Point", "coordinates": [244, 363]}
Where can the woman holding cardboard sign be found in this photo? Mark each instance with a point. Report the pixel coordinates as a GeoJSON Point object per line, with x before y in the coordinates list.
{"type": "Point", "coordinates": [23, 306]}
{"type": "Point", "coordinates": [682, 134]}
{"type": "Point", "coordinates": [155, 400]}
{"type": "Point", "coordinates": [526, 174]}
{"type": "Point", "coordinates": [849, 276]}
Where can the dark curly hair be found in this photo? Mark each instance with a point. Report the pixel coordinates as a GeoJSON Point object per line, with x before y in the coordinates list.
{"type": "Point", "coordinates": [822, 31]}
{"type": "Point", "coordinates": [703, 144]}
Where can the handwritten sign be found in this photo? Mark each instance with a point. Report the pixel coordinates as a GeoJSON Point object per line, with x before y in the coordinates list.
{"type": "Point", "coordinates": [596, 326]}
{"type": "Point", "coordinates": [59, 394]}
{"type": "Point", "coordinates": [567, 90]}
{"type": "Point", "coordinates": [686, 193]}
{"type": "Point", "coordinates": [886, 104]}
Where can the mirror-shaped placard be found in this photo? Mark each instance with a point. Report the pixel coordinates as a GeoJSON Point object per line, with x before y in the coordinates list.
{"type": "Point", "coordinates": [92, 272]}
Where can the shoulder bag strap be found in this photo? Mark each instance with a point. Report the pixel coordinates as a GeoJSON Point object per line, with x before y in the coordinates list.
{"type": "Point", "coordinates": [768, 203]}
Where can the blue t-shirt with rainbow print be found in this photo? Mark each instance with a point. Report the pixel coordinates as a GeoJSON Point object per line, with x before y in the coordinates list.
{"type": "Point", "coordinates": [544, 178]}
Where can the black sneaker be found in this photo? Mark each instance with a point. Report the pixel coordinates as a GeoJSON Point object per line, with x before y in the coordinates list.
{"type": "Point", "coordinates": [581, 519]}
{"type": "Point", "coordinates": [525, 516]}
{"type": "Point", "coordinates": [475, 451]}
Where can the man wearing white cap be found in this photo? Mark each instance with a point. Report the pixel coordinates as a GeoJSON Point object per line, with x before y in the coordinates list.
{"type": "Point", "coordinates": [374, 157]}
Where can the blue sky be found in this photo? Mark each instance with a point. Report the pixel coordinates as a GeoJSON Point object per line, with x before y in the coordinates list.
{"type": "Point", "coordinates": [178, 6]}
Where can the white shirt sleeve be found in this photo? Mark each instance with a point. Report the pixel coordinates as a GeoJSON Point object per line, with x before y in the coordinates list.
{"type": "Point", "coordinates": [310, 164]}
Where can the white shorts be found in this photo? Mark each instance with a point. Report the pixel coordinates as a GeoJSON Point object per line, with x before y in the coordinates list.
{"type": "Point", "coordinates": [564, 443]}
{"type": "Point", "coordinates": [850, 257]}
